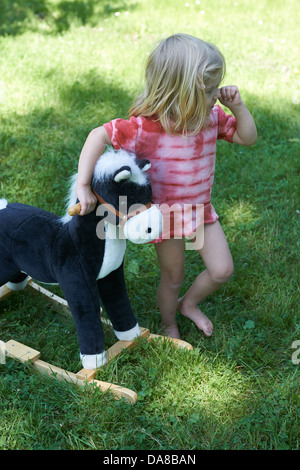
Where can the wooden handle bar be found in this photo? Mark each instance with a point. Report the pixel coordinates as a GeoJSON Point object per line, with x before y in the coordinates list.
{"type": "Point", "coordinates": [74, 210]}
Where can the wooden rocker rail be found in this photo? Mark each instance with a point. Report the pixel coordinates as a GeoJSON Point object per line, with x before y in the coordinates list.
{"type": "Point", "coordinates": [24, 353]}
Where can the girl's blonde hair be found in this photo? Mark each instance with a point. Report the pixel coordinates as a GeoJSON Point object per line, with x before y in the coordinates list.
{"type": "Point", "coordinates": [177, 71]}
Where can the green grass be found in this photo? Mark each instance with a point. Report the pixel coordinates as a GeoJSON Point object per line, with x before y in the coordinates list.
{"type": "Point", "coordinates": [68, 66]}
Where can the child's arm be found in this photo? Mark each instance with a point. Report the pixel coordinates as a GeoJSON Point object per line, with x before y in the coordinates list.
{"type": "Point", "coordinates": [246, 133]}
{"type": "Point", "coordinates": [94, 147]}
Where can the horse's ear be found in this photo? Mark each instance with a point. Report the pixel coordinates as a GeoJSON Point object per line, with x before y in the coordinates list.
{"type": "Point", "coordinates": [144, 165]}
{"type": "Point", "coordinates": [122, 174]}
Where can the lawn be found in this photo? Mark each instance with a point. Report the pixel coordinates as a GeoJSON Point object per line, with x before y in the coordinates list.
{"type": "Point", "coordinates": [69, 66]}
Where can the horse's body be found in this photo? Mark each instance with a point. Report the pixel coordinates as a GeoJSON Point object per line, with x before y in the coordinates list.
{"type": "Point", "coordinates": [83, 257]}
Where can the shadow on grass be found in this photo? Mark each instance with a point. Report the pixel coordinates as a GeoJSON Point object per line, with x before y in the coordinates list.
{"type": "Point", "coordinates": [55, 17]}
{"type": "Point", "coordinates": [39, 151]}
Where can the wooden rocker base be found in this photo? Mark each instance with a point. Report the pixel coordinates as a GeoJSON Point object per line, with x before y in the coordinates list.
{"type": "Point", "coordinates": [5, 292]}
{"type": "Point", "coordinates": [24, 353]}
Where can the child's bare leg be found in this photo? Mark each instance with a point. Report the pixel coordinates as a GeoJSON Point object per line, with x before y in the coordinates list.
{"type": "Point", "coordinates": [218, 260]}
{"type": "Point", "coordinates": [170, 255]}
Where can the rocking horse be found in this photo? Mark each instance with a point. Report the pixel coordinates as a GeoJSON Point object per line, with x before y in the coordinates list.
{"type": "Point", "coordinates": [84, 255]}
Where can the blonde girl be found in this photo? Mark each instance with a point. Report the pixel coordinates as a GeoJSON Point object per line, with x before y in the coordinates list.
{"type": "Point", "coordinates": [175, 123]}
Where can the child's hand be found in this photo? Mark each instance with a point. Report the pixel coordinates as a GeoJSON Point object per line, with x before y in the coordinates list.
{"type": "Point", "coordinates": [230, 96]}
{"type": "Point", "coordinates": [86, 198]}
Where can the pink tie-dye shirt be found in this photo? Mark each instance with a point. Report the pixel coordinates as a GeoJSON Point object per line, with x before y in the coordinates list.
{"type": "Point", "coordinates": [182, 168]}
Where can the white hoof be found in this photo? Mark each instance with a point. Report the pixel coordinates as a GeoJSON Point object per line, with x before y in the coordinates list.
{"type": "Point", "coordinates": [128, 335]}
{"type": "Point", "coordinates": [16, 286]}
{"type": "Point", "coordinates": [93, 361]}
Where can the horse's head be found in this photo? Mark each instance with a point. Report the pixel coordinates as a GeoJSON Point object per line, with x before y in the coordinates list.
{"type": "Point", "coordinates": [124, 192]}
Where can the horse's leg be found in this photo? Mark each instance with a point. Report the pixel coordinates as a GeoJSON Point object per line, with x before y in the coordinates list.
{"type": "Point", "coordinates": [113, 293]}
{"type": "Point", "coordinates": [83, 299]}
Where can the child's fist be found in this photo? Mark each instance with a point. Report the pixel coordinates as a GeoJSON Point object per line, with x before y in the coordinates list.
{"type": "Point", "coordinates": [86, 198]}
{"type": "Point", "coordinates": [230, 96]}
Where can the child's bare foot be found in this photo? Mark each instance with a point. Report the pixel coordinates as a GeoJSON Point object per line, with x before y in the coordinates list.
{"type": "Point", "coordinates": [197, 316]}
{"type": "Point", "coordinates": [171, 331]}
